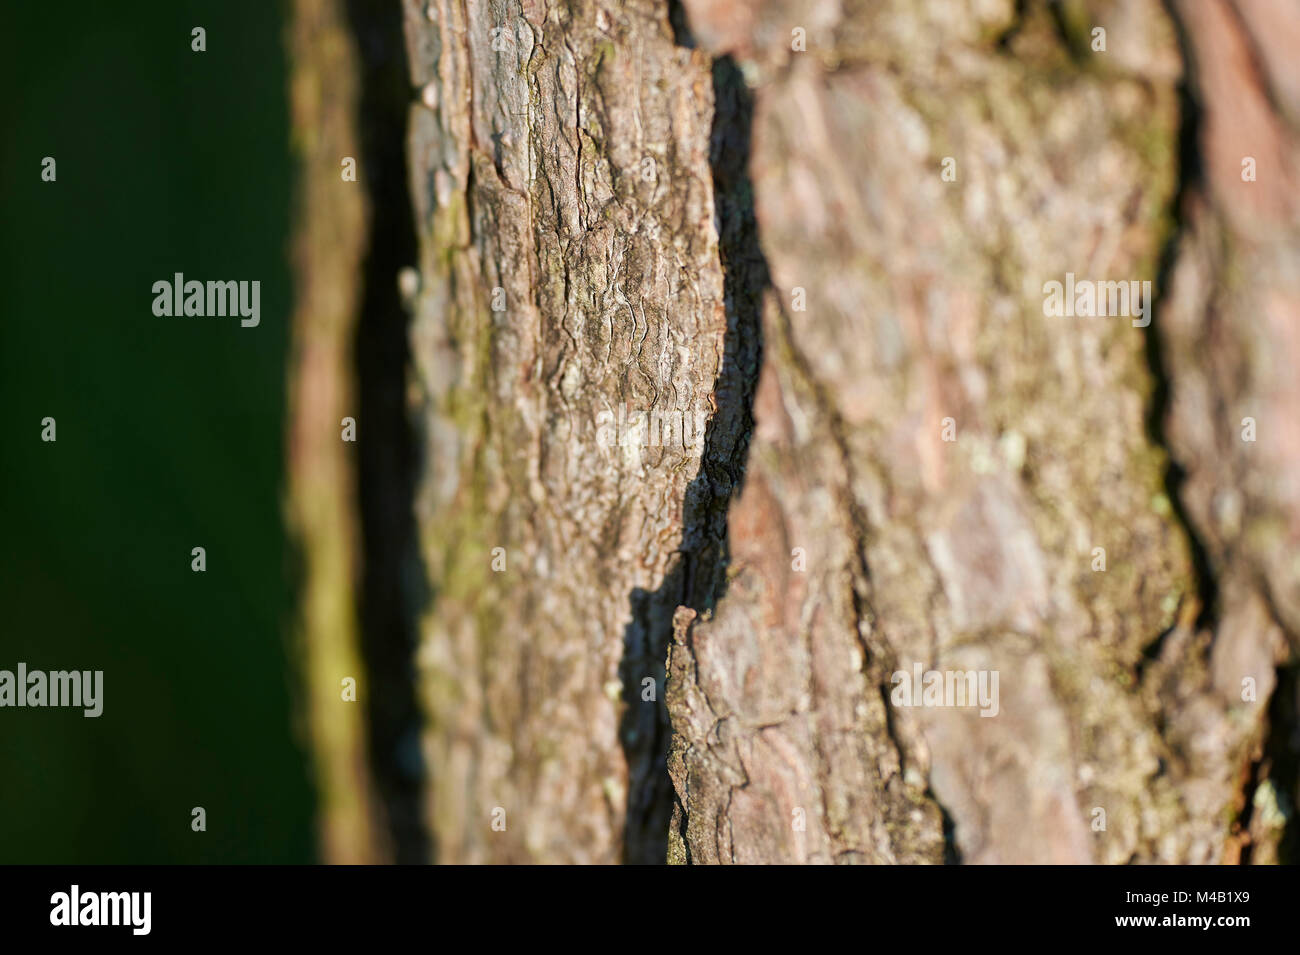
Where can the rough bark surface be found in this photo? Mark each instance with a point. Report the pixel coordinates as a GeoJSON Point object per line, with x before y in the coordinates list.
{"type": "Point", "coordinates": [1231, 333]}
{"type": "Point", "coordinates": [672, 210]}
{"type": "Point", "coordinates": [563, 191]}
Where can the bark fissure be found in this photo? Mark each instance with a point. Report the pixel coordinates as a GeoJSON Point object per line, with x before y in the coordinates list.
{"type": "Point", "coordinates": [698, 581]}
{"type": "Point", "coordinates": [393, 580]}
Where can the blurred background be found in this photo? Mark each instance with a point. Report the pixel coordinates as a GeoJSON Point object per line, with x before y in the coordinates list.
{"type": "Point", "coordinates": [171, 435]}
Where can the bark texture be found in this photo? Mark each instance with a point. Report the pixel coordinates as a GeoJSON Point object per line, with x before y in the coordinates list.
{"type": "Point", "coordinates": [563, 190]}
{"type": "Point", "coordinates": [737, 209]}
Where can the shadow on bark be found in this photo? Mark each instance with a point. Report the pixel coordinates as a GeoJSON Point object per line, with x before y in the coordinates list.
{"type": "Point", "coordinates": [392, 578]}
{"type": "Point", "coordinates": [1190, 177]}
{"type": "Point", "coordinates": [1278, 761]}
{"type": "Point", "coordinates": [1279, 764]}
{"type": "Point", "coordinates": [698, 578]}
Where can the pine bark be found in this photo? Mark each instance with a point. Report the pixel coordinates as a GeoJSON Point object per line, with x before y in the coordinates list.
{"type": "Point", "coordinates": [676, 650]}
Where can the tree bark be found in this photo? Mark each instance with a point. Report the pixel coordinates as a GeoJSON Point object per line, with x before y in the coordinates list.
{"type": "Point", "coordinates": [683, 649]}
{"type": "Point", "coordinates": [330, 241]}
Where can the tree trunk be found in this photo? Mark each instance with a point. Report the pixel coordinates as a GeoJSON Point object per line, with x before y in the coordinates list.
{"type": "Point", "coordinates": [736, 398]}
{"type": "Point", "coordinates": [331, 236]}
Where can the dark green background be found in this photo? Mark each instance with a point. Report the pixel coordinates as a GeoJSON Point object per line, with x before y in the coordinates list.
{"type": "Point", "coordinates": [170, 435]}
